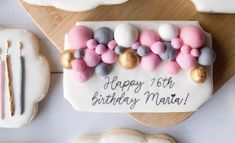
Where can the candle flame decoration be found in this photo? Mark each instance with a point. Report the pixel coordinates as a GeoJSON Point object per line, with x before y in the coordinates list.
{"type": "Point", "coordinates": [9, 81]}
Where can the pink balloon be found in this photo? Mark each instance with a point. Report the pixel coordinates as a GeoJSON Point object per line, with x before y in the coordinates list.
{"type": "Point", "coordinates": [91, 44]}
{"type": "Point", "coordinates": [91, 58]}
{"type": "Point", "coordinates": [186, 49]}
{"type": "Point", "coordinates": [79, 65]}
{"type": "Point", "coordinates": [112, 44]}
{"type": "Point", "coordinates": [78, 37]}
{"type": "Point", "coordinates": [100, 49]}
{"type": "Point", "coordinates": [158, 48]}
{"type": "Point", "coordinates": [150, 62]}
{"type": "Point", "coordinates": [148, 37]}
{"type": "Point", "coordinates": [172, 67]}
{"type": "Point", "coordinates": [192, 36]}
{"type": "Point", "coordinates": [177, 43]}
{"type": "Point", "coordinates": [109, 57]}
{"type": "Point", "coordinates": [186, 61]}
{"type": "Point", "coordinates": [195, 52]}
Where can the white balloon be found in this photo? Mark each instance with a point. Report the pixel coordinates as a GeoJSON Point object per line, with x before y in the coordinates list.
{"type": "Point", "coordinates": [167, 32]}
{"type": "Point", "coordinates": [125, 35]}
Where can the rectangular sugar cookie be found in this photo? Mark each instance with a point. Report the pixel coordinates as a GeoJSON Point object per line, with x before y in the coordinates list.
{"type": "Point", "coordinates": [149, 86]}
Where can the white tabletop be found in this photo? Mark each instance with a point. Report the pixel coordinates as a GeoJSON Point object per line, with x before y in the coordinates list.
{"type": "Point", "coordinates": [58, 122]}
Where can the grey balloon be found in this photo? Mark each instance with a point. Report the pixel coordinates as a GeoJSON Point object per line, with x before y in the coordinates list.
{"type": "Point", "coordinates": [119, 50]}
{"type": "Point", "coordinates": [169, 53]}
{"type": "Point", "coordinates": [79, 53]}
{"type": "Point", "coordinates": [103, 35]}
{"type": "Point", "coordinates": [207, 56]}
{"type": "Point", "coordinates": [142, 51]}
{"type": "Point", "coordinates": [102, 69]}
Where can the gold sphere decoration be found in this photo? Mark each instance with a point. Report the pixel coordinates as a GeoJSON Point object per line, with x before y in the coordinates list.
{"type": "Point", "coordinates": [66, 58]}
{"type": "Point", "coordinates": [129, 59]}
{"type": "Point", "coordinates": [199, 74]}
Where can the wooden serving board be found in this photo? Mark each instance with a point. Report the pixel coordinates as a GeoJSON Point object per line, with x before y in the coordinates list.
{"type": "Point", "coordinates": [55, 23]}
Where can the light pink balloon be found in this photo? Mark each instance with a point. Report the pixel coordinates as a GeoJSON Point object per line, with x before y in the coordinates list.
{"type": "Point", "coordinates": [172, 67]}
{"type": "Point", "coordinates": [148, 37]}
{"type": "Point", "coordinates": [109, 57]}
{"type": "Point", "coordinates": [79, 65]}
{"type": "Point", "coordinates": [158, 48]}
{"type": "Point", "coordinates": [91, 58]}
{"type": "Point", "coordinates": [150, 62]}
{"type": "Point", "coordinates": [192, 36]}
{"type": "Point", "coordinates": [100, 49]}
{"type": "Point", "coordinates": [177, 43]}
{"type": "Point", "coordinates": [78, 37]}
{"type": "Point", "coordinates": [112, 44]}
{"type": "Point", "coordinates": [186, 61]}
{"type": "Point", "coordinates": [91, 44]}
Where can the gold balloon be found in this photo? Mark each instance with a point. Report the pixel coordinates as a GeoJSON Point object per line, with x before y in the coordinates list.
{"type": "Point", "coordinates": [66, 58]}
{"type": "Point", "coordinates": [129, 59]}
{"type": "Point", "coordinates": [199, 74]}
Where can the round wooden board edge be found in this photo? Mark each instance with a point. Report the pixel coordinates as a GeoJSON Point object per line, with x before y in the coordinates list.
{"type": "Point", "coordinates": [161, 119]}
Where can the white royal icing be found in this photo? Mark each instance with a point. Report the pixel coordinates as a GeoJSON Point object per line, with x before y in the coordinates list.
{"type": "Point", "coordinates": [74, 5]}
{"type": "Point", "coordinates": [217, 6]}
{"type": "Point", "coordinates": [189, 94]}
{"type": "Point", "coordinates": [37, 76]}
{"type": "Point", "coordinates": [126, 136]}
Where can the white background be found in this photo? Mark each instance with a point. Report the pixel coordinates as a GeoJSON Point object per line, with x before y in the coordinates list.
{"type": "Point", "coordinates": [58, 122]}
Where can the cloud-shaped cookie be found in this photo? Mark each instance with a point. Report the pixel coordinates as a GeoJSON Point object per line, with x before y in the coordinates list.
{"type": "Point", "coordinates": [126, 136]}
{"type": "Point", "coordinates": [25, 77]}
{"type": "Point", "coordinates": [220, 6]}
{"type": "Point", "coordinates": [74, 5]}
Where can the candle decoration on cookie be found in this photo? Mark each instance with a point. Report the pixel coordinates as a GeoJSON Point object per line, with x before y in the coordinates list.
{"type": "Point", "coordinates": [9, 81]}
{"type": "Point", "coordinates": [180, 48]}
{"type": "Point", "coordinates": [22, 79]}
{"type": "Point", "coordinates": [2, 77]}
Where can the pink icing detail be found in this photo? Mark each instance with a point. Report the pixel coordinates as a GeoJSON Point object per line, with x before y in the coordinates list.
{"type": "Point", "coordinates": [186, 49]}
{"type": "Point", "coordinates": [186, 61]}
{"type": "Point", "coordinates": [195, 52]}
{"type": "Point", "coordinates": [150, 62]}
{"type": "Point", "coordinates": [78, 36]}
{"type": "Point", "coordinates": [2, 89]}
{"type": "Point", "coordinates": [112, 44]}
{"type": "Point", "coordinates": [82, 76]}
{"type": "Point", "coordinates": [172, 67]}
{"type": "Point", "coordinates": [177, 43]}
{"type": "Point", "coordinates": [91, 44]}
{"type": "Point", "coordinates": [192, 36]}
{"type": "Point", "coordinates": [109, 57]}
{"type": "Point", "coordinates": [100, 49]}
{"type": "Point", "coordinates": [79, 65]}
{"type": "Point", "coordinates": [158, 48]}
{"type": "Point", "coordinates": [148, 37]}
{"type": "Point", "coordinates": [136, 45]}
{"type": "Point", "coordinates": [91, 58]}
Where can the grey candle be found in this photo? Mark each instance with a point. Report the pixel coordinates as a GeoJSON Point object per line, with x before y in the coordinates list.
{"type": "Point", "coordinates": [22, 80]}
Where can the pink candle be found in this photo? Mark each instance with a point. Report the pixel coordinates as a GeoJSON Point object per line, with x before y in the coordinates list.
{"type": "Point", "coordinates": [1, 89]}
